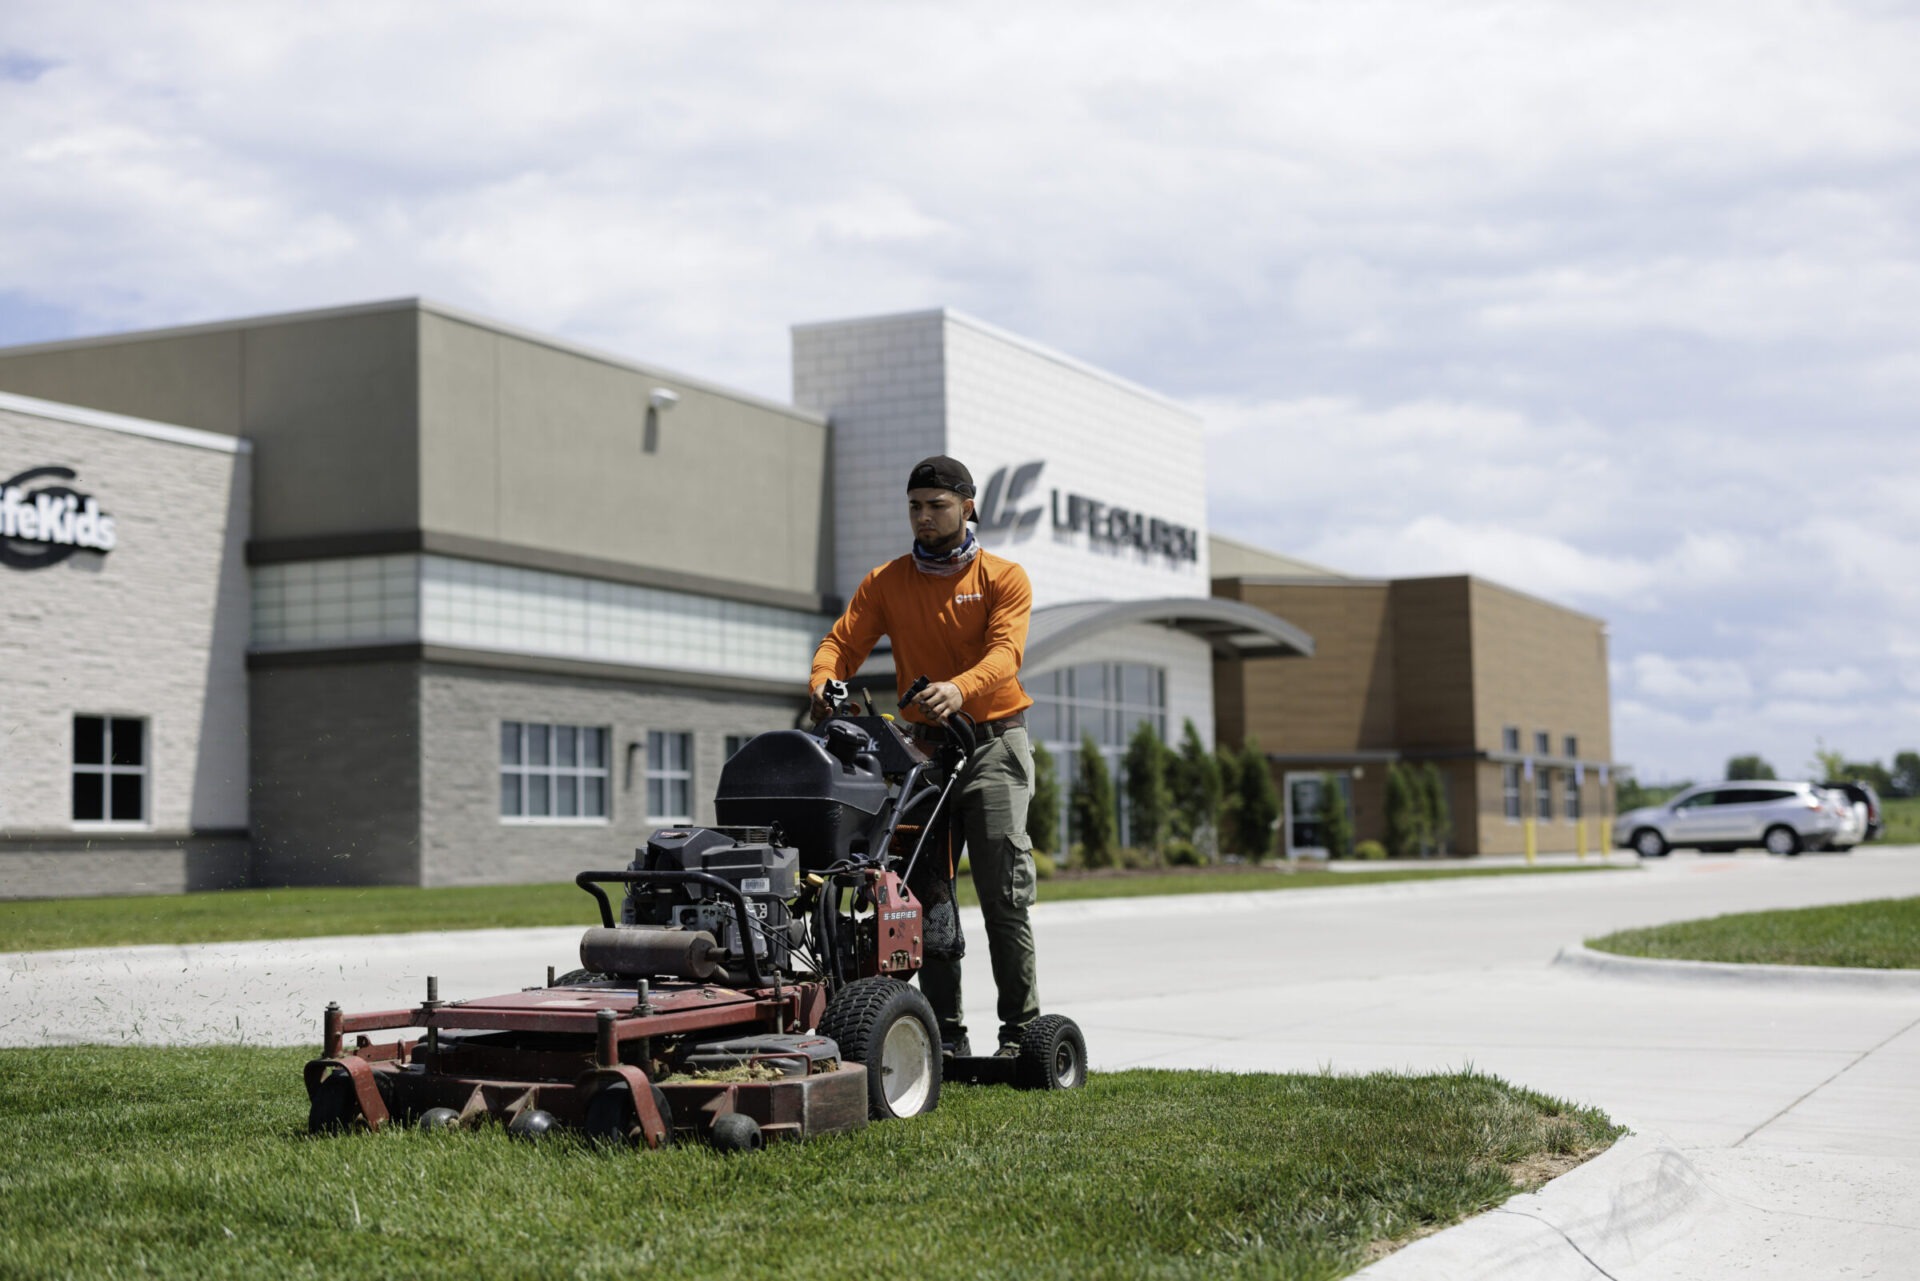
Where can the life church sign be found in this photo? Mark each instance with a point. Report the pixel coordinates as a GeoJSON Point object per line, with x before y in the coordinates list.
{"type": "Point", "coordinates": [44, 519]}
{"type": "Point", "coordinates": [1002, 511]}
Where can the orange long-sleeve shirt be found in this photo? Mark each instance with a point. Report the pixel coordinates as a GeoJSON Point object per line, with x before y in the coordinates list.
{"type": "Point", "coordinates": [970, 629]}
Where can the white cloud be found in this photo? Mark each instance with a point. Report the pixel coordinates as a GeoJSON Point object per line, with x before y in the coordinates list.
{"type": "Point", "coordinates": [1615, 304]}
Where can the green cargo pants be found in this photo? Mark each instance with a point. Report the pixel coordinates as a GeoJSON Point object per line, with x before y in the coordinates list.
{"type": "Point", "coordinates": [992, 817]}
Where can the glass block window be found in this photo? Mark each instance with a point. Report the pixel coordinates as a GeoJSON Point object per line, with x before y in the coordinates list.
{"type": "Point", "coordinates": [553, 773]}
{"type": "Point", "coordinates": [1510, 791]}
{"type": "Point", "coordinates": [109, 769]}
{"type": "Point", "coordinates": [669, 776]}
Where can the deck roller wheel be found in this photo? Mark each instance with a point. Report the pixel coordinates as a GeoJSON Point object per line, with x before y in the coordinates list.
{"type": "Point", "coordinates": [888, 1026]}
{"type": "Point", "coordinates": [736, 1132]}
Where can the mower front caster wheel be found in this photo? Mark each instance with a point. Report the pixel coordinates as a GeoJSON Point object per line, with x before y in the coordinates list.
{"type": "Point", "coordinates": [889, 1027]}
{"type": "Point", "coordinates": [332, 1107]}
{"type": "Point", "coordinates": [434, 1120]}
{"type": "Point", "coordinates": [612, 1118]}
{"type": "Point", "coordinates": [1053, 1055]}
{"type": "Point", "coordinates": [736, 1132]}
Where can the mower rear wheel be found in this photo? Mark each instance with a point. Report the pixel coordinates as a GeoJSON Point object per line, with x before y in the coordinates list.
{"type": "Point", "coordinates": [333, 1105]}
{"type": "Point", "coordinates": [612, 1118]}
{"type": "Point", "coordinates": [736, 1132]}
{"type": "Point", "coordinates": [888, 1026]}
{"type": "Point", "coordinates": [1053, 1055]}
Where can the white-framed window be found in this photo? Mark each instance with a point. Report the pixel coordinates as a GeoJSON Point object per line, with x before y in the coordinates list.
{"type": "Point", "coordinates": [1542, 743]}
{"type": "Point", "coordinates": [1543, 795]}
{"type": "Point", "coordinates": [552, 773]}
{"type": "Point", "coordinates": [1573, 800]}
{"type": "Point", "coordinates": [1510, 790]}
{"type": "Point", "coordinates": [669, 776]}
{"type": "Point", "coordinates": [109, 770]}
{"type": "Point", "coordinates": [1573, 748]}
{"type": "Point", "coordinates": [737, 741]}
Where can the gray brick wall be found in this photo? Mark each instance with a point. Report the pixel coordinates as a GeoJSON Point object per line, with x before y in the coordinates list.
{"type": "Point", "coordinates": [336, 774]}
{"type": "Point", "coordinates": [464, 840]}
{"type": "Point", "coordinates": [155, 629]}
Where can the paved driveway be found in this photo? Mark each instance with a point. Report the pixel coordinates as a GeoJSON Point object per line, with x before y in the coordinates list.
{"type": "Point", "coordinates": [1798, 1108]}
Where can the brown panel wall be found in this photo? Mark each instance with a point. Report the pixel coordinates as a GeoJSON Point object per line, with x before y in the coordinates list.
{"type": "Point", "coordinates": [1433, 663]}
{"type": "Point", "coordinates": [1341, 699]}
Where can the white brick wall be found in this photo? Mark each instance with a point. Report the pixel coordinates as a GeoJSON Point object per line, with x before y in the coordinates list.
{"type": "Point", "coordinates": [155, 628]}
{"type": "Point", "coordinates": [898, 388]}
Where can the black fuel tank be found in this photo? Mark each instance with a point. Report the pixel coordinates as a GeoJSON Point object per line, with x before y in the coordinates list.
{"type": "Point", "coordinates": [821, 802]}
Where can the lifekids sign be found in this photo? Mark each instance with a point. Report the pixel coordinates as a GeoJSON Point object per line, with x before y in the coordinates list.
{"type": "Point", "coordinates": [44, 520]}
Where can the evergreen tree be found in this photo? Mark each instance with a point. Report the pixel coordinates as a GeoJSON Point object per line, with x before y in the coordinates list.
{"type": "Point", "coordinates": [1227, 762]}
{"type": "Point", "coordinates": [1092, 806]}
{"type": "Point", "coordinates": [1439, 812]}
{"type": "Point", "coordinates": [1746, 767]}
{"type": "Point", "coordinates": [1336, 828]}
{"type": "Point", "coordinates": [1403, 817]}
{"type": "Point", "coordinates": [1259, 807]}
{"type": "Point", "coordinates": [1906, 774]}
{"type": "Point", "coordinates": [1149, 800]}
{"type": "Point", "coordinates": [1043, 811]}
{"type": "Point", "coordinates": [1195, 780]}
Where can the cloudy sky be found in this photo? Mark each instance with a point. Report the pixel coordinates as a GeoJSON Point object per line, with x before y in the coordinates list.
{"type": "Point", "coordinates": [1610, 301]}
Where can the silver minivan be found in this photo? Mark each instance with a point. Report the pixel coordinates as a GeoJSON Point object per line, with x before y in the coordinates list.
{"type": "Point", "coordinates": [1782, 818]}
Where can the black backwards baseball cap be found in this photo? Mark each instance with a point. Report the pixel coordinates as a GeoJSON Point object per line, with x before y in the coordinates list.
{"type": "Point", "coordinates": [941, 472]}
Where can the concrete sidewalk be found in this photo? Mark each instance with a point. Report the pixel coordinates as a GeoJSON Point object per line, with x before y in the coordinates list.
{"type": "Point", "coordinates": [1777, 1123]}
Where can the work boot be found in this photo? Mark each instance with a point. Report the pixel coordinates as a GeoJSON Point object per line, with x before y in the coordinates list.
{"type": "Point", "coordinates": [1011, 1050]}
{"type": "Point", "coordinates": [958, 1048]}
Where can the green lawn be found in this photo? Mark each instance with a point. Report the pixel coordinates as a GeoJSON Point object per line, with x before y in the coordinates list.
{"type": "Point", "coordinates": [1879, 935]}
{"type": "Point", "coordinates": [195, 1163]}
{"type": "Point", "coordinates": [1902, 817]}
{"type": "Point", "coordinates": [28, 925]}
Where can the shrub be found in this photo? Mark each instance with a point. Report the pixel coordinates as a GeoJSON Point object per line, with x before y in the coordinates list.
{"type": "Point", "coordinates": [1336, 828]}
{"type": "Point", "coordinates": [1149, 800]}
{"type": "Point", "coordinates": [1043, 866]}
{"type": "Point", "coordinates": [1403, 813]}
{"type": "Point", "coordinates": [1439, 812]}
{"type": "Point", "coordinates": [1370, 850]}
{"type": "Point", "coordinates": [1043, 810]}
{"type": "Point", "coordinates": [1259, 803]}
{"type": "Point", "coordinates": [1194, 778]}
{"type": "Point", "coordinates": [1093, 806]}
{"type": "Point", "coordinates": [1184, 854]}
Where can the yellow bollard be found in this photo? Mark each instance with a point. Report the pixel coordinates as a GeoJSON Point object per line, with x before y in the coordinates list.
{"type": "Point", "coordinates": [1600, 840]}
{"type": "Point", "coordinates": [1531, 844]}
{"type": "Point", "coordinates": [1580, 839]}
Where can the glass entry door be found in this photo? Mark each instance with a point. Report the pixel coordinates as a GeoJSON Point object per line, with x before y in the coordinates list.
{"type": "Point", "coordinates": [1303, 793]}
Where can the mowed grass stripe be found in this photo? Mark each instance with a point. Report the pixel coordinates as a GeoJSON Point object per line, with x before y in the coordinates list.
{"type": "Point", "coordinates": [38, 925]}
{"type": "Point", "coordinates": [1883, 934]}
{"type": "Point", "coordinates": [194, 1162]}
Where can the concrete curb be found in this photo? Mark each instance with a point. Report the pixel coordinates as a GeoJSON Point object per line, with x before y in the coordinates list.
{"type": "Point", "coordinates": [1620, 1208]}
{"type": "Point", "coordinates": [1829, 977]}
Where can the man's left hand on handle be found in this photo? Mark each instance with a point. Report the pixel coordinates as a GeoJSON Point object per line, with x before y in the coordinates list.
{"type": "Point", "coordinates": [939, 701]}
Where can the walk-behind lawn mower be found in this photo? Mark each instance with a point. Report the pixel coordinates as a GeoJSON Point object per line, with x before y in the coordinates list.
{"type": "Point", "coordinates": [754, 987]}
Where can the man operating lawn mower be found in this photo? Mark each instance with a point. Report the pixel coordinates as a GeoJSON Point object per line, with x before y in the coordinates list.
{"type": "Point", "coordinates": [958, 614]}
